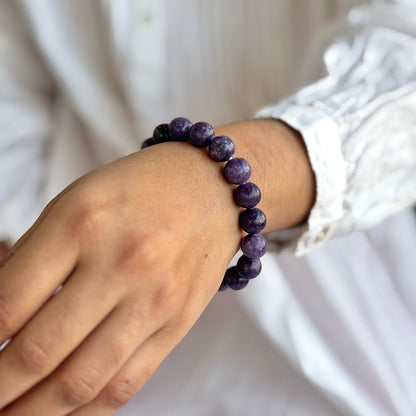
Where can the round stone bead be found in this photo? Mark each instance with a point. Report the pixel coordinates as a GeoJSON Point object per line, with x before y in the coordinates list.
{"type": "Point", "coordinates": [148, 142]}
{"type": "Point", "coordinates": [252, 220]}
{"type": "Point", "coordinates": [248, 268]}
{"type": "Point", "coordinates": [237, 171]}
{"type": "Point", "coordinates": [161, 133]}
{"type": "Point", "coordinates": [234, 280]}
{"type": "Point", "coordinates": [179, 129]}
{"type": "Point", "coordinates": [201, 134]}
{"type": "Point", "coordinates": [247, 195]}
{"type": "Point", "coordinates": [253, 245]}
{"type": "Point", "coordinates": [221, 148]}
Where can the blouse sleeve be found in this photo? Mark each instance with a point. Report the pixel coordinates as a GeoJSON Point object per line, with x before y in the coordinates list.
{"type": "Point", "coordinates": [359, 124]}
{"type": "Point", "coordinates": [25, 112]}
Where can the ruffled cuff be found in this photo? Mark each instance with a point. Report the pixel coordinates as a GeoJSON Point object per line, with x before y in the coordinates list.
{"type": "Point", "coordinates": [321, 137]}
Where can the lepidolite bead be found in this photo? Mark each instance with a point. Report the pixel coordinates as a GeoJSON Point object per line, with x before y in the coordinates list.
{"type": "Point", "coordinates": [148, 142]}
{"type": "Point", "coordinates": [247, 195]}
{"type": "Point", "coordinates": [161, 133]}
{"type": "Point", "coordinates": [237, 171]}
{"type": "Point", "coordinates": [179, 129]}
{"type": "Point", "coordinates": [234, 280]}
{"type": "Point", "coordinates": [221, 148]}
{"type": "Point", "coordinates": [248, 268]}
{"type": "Point", "coordinates": [252, 220]}
{"type": "Point", "coordinates": [253, 245]}
{"type": "Point", "coordinates": [201, 134]}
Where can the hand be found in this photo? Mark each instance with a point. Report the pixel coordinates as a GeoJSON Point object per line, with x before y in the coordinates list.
{"type": "Point", "coordinates": [140, 246]}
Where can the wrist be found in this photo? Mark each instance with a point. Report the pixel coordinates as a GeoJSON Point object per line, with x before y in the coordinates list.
{"type": "Point", "coordinates": [281, 168]}
{"type": "Point", "coordinates": [284, 173]}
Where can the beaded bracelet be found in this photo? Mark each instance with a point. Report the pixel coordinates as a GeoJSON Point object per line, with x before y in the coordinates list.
{"type": "Point", "coordinates": [236, 171]}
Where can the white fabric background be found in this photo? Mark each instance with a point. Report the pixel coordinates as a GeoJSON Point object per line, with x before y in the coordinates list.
{"type": "Point", "coordinates": [83, 82]}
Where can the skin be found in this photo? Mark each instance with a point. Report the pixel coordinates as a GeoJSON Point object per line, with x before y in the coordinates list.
{"type": "Point", "coordinates": [141, 246]}
{"type": "Point", "coordinates": [3, 248]}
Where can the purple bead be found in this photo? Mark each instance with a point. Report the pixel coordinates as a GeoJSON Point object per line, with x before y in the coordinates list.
{"type": "Point", "coordinates": [237, 170]}
{"type": "Point", "coordinates": [253, 245]}
{"type": "Point", "coordinates": [234, 280]}
{"type": "Point", "coordinates": [252, 220]}
{"type": "Point", "coordinates": [221, 148]}
{"type": "Point", "coordinates": [247, 195]}
{"type": "Point", "coordinates": [179, 129]}
{"type": "Point", "coordinates": [161, 133]}
{"type": "Point", "coordinates": [201, 134]}
{"type": "Point", "coordinates": [248, 268]}
{"type": "Point", "coordinates": [148, 143]}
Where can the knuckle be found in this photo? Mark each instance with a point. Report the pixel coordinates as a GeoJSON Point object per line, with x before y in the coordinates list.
{"type": "Point", "coordinates": [86, 220]}
{"type": "Point", "coordinates": [142, 252]}
{"type": "Point", "coordinates": [147, 249]}
{"type": "Point", "coordinates": [166, 297]}
{"type": "Point", "coordinates": [8, 316]}
{"type": "Point", "coordinates": [135, 316]}
{"type": "Point", "coordinates": [79, 390]}
{"type": "Point", "coordinates": [88, 210]}
{"type": "Point", "coordinates": [34, 357]}
{"type": "Point", "coordinates": [131, 325]}
{"type": "Point", "coordinates": [120, 391]}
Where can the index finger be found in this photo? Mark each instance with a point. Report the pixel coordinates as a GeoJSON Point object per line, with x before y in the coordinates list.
{"type": "Point", "coordinates": [31, 276]}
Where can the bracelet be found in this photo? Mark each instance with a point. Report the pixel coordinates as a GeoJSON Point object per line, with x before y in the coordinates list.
{"type": "Point", "coordinates": [236, 171]}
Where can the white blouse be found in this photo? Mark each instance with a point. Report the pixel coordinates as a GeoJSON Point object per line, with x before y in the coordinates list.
{"type": "Point", "coordinates": [85, 81]}
{"type": "Point", "coordinates": [103, 73]}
